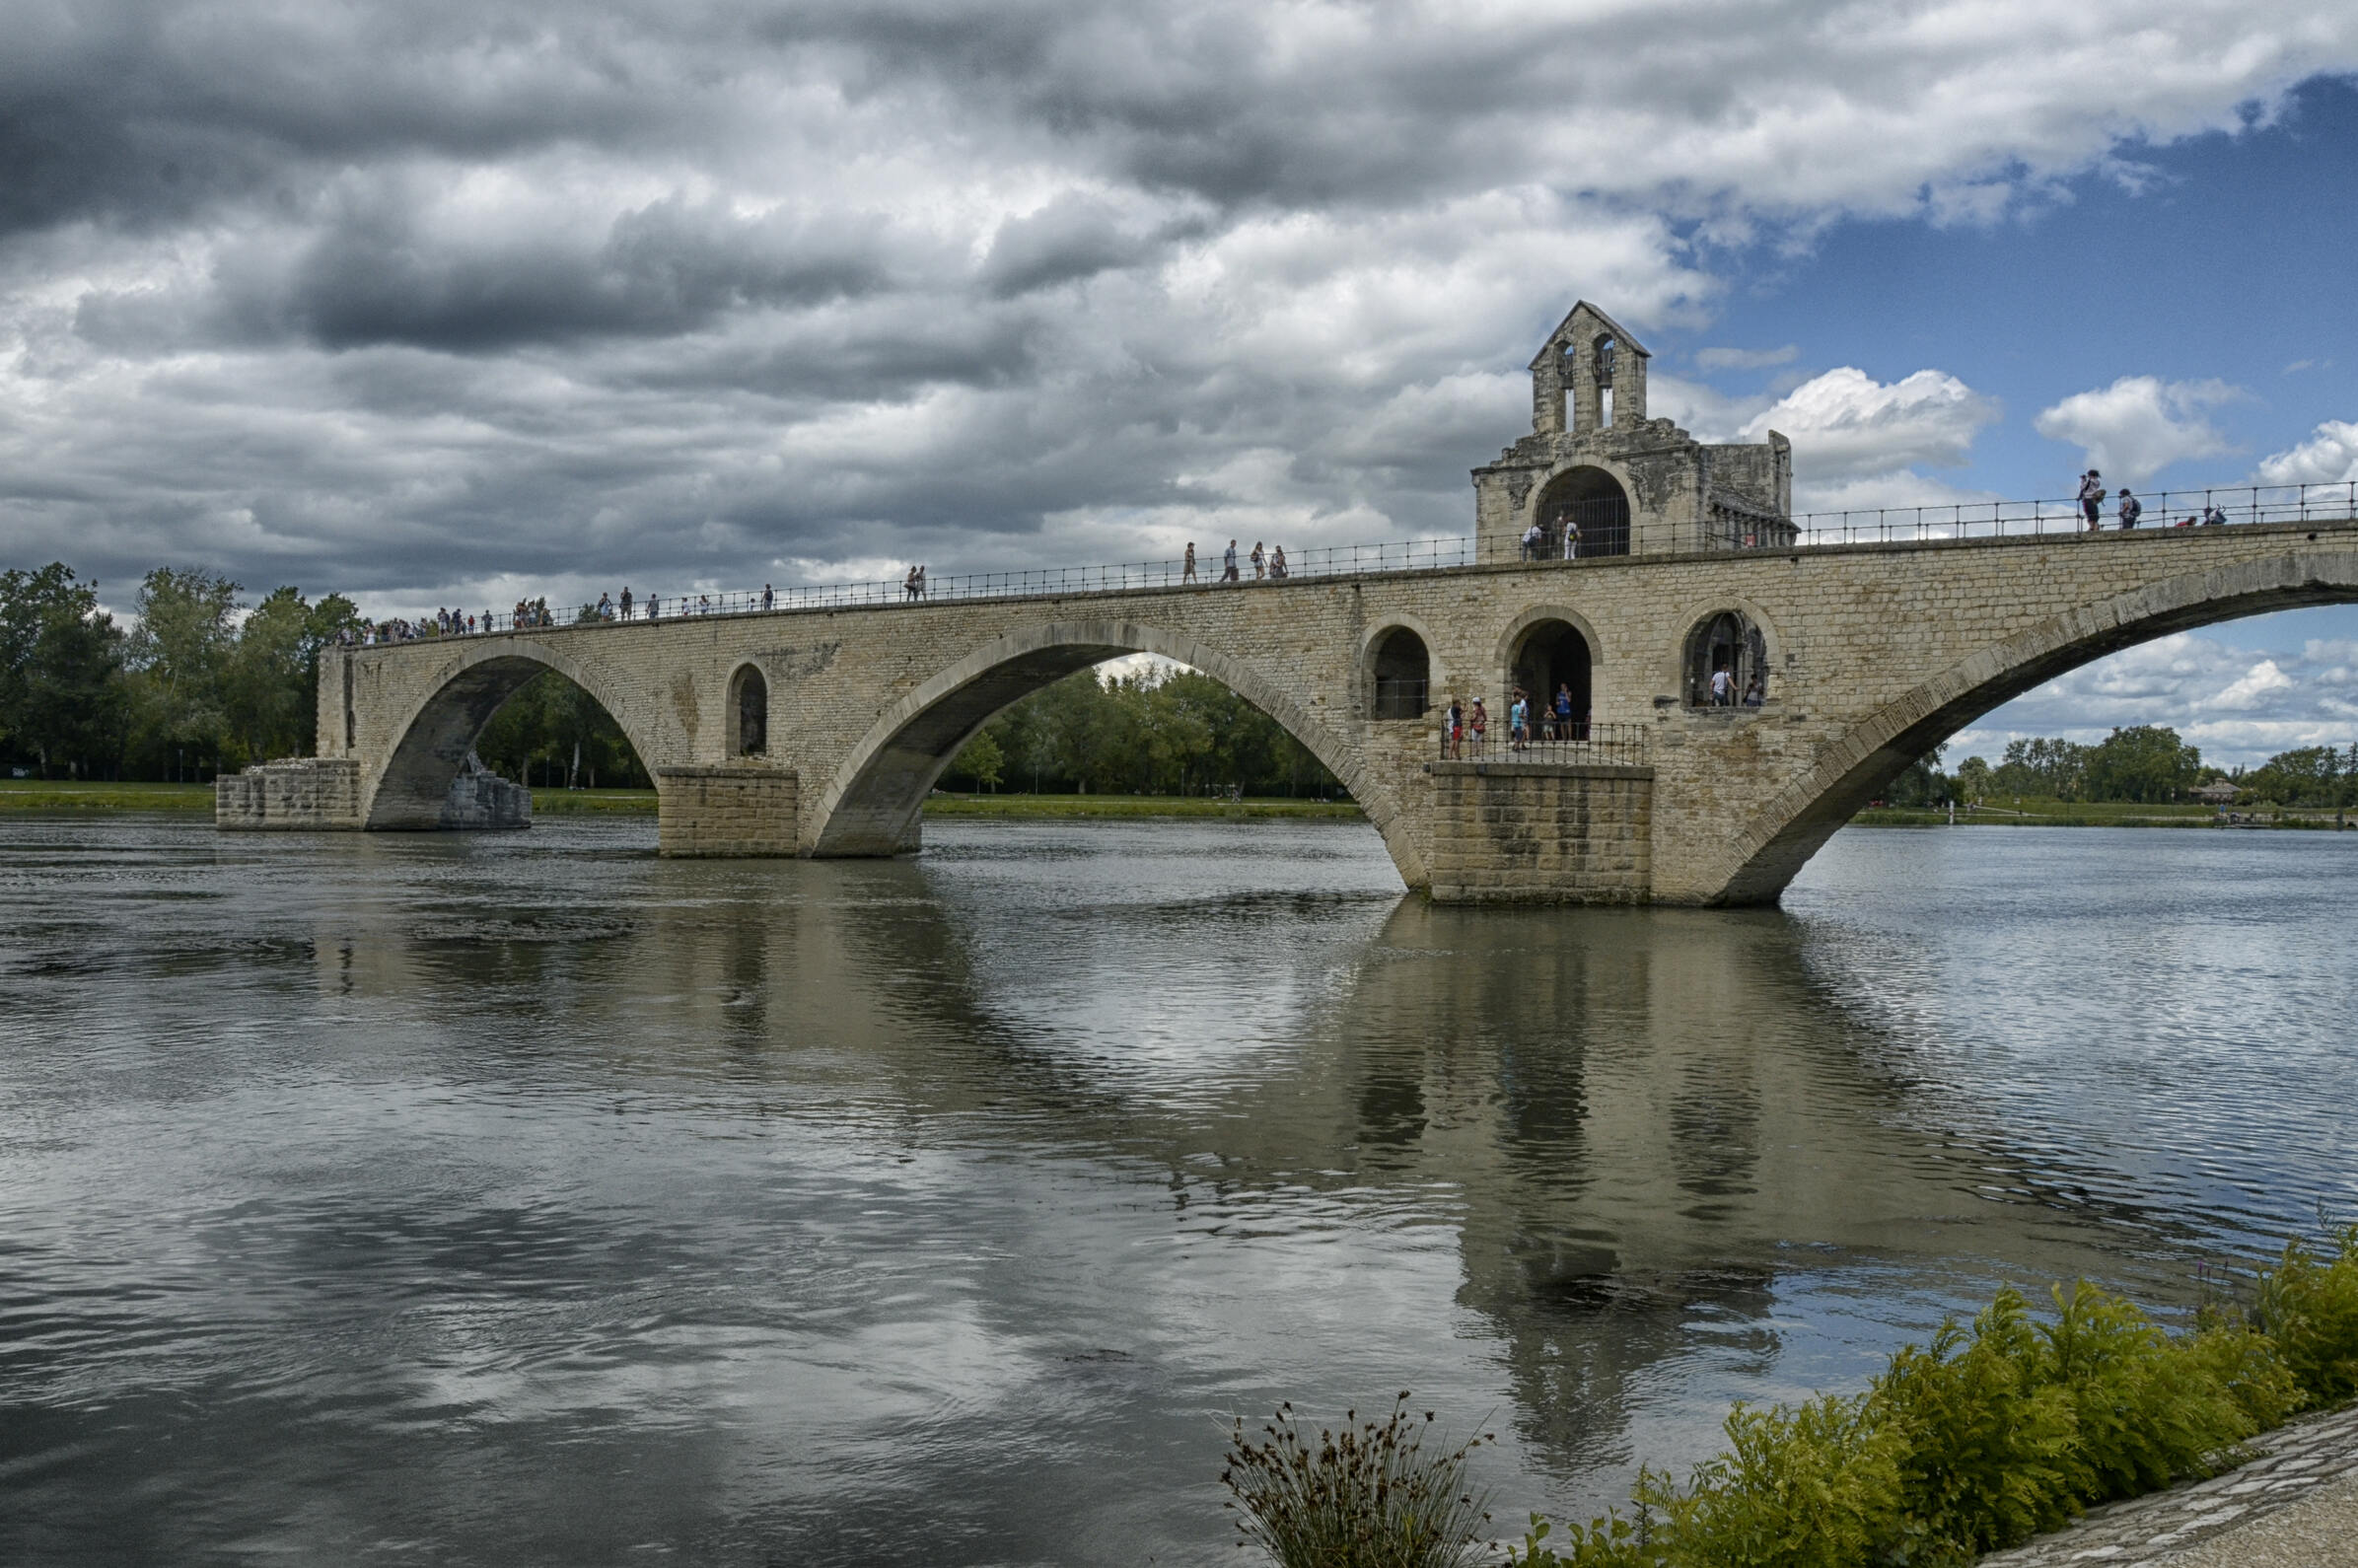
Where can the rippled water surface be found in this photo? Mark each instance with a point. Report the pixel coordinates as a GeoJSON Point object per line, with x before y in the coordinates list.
{"type": "Point", "coordinates": [528, 1199]}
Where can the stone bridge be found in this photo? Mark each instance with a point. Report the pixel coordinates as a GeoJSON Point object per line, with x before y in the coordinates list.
{"type": "Point", "coordinates": [1739, 695]}
{"type": "Point", "coordinates": [820, 731]}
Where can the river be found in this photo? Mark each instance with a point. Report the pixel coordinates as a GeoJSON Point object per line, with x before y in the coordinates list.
{"type": "Point", "coordinates": [530, 1200]}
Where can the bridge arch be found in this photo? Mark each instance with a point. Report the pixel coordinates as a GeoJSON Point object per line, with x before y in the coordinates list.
{"type": "Point", "coordinates": [872, 803]}
{"type": "Point", "coordinates": [1592, 492]}
{"type": "Point", "coordinates": [434, 738]}
{"type": "Point", "coordinates": [1795, 822]}
{"type": "Point", "coordinates": [1544, 644]}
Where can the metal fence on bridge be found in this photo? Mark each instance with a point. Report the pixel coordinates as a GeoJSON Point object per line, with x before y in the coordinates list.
{"type": "Point", "coordinates": [1961, 520]}
{"type": "Point", "coordinates": [1579, 742]}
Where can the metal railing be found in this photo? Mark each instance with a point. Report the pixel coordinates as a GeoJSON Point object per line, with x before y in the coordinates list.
{"type": "Point", "coordinates": [2166, 509]}
{"type": "Point", "coordinates": [2162, 509]}
{"type": "Point", "coordinates": [1577, 740]}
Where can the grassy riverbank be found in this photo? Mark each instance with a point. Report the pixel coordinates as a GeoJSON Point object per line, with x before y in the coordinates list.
{"type": "Point", "coordinates": [67, 795]}
{"type": "Point", "coordinates": [1047, 807]}
{"type": "Point", "coordinates": [2090, 813]}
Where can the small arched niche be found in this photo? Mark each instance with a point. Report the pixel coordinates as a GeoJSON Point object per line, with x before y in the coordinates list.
{"type": "Point", "coordinates": [1727, 644]}
{"type": "Point", "coordinates": [748, 713]}
{"type": "Point", "coordinates": [1403, 674]}
{"type": "Point", "coordinates": [1589, 501]}
{"type": "Point", "coordinates": [1549, 656]}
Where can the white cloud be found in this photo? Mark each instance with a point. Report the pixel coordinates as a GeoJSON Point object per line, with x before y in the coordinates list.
{"type": "Point", "coordinates": [2328, 456]}
{"type": "Point", "coordinates": [2139, 425]}
{"type": "Point", "coordinates": [1847, 426]}
{"type": "Point", "coordinates": [2240, 708]}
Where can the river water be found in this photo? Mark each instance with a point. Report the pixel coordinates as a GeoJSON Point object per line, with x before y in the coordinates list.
{"type": "Point", "coordinates": [530, 1200]}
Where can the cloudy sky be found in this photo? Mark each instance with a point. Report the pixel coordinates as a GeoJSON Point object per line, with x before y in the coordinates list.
{"type": "Point", "coordinates": [437, 303]}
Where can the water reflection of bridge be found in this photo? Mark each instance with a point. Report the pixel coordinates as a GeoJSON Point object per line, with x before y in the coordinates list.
{"type": "Point", "coordinates": [1636, 1124]}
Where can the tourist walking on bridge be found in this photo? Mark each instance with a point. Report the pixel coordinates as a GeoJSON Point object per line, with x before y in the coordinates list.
{"type": "Point", "coordinates": [2131, 510]}
{"type": "Point", "coordinates": [769, 599]}
{"type": "Point", "coordinates": [1228, 567]}
{"type": "Point", "coordinates": [625, 600]}
{"type": "Point", "coordinates": [1187, 566]}
{"type": "Point", "coordinates": [1260, 562]}
{"type": "Point", "coordinates": [2092, 499]}
{"type": "Point", "coordinates": [1277, 564]}
{"type": "Point", "coordinates": [1452, 729]}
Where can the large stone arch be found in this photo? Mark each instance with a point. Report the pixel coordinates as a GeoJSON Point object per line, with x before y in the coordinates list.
{"type": "Point", "coordinates": [872, 803]}
{"type": "Point", "coordinates": [435, 735]}
{"type": "Point", "coordinates": [1794, 824]}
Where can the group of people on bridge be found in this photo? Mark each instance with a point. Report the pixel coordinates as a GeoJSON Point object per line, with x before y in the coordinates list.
{"type": "Point", "coordinates": [1268, 564]}
{"type": "Point", "coordinates": [2128, 511]}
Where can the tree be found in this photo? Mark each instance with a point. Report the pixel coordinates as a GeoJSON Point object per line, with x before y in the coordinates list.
{"type": "Point", "coordinates": [1973, 778]}
{"type": "Point", "coordinates": [179, 656]}
{"type": "Point", "coordinates": [268, 680]}
{"type": "Point", "coordinates": [2309, 775]}
{"type": "Point", "coordinates": [981, 760]}
{"type": "Point", "coordinates": [2039, 766]}
{"type": "Point", "coordinates": [2145, 762]}
{"type": "Point", "coordinates": [60, 670]}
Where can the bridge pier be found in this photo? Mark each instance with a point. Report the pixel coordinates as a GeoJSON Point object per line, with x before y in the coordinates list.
{"type": "Point", "coordinates": [1540, 832]}
{"type": "Point", "coordinates": [734, 811]}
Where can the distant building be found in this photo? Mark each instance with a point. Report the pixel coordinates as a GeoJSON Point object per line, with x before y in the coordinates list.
{"type": "Point", "coordinates": [2218, 792]}
{"type": "Point", "coordinates": [1632, 485]}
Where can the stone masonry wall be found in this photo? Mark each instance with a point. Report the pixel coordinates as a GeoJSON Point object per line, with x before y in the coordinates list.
{"type": "Point", "coordinates": [1860, 638]}
{"type": "Point", "coordinates": [292, 795]}
{"type": "Point", "coordinates": [1532, 833]}
{"type": "Point", "coordinates": [727, 812]}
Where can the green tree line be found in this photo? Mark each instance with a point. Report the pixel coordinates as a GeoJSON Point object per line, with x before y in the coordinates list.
{"type": "Point", "coordinates": [2140, 765]}
{"type": "Point", "coordinates": [201, 682]}
{"type": "Point", "coordinates": [1154, 733]}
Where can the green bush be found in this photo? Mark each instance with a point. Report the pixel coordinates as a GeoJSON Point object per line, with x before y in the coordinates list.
{"type": "Point", "coordinates": [2310, 1309]}
{"type": "Point", "coordinates": [1986, 1439]}
{"type": "Point", "coordinates": [1367, 1497]}
{"type": "Point", "coordinates": [1796, 1488]}
{"type": "Point", "coordinates": [1991, 1434]}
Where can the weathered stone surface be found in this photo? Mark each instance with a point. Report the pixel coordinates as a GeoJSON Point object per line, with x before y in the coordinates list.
{"type": "Point", "coordinates": [291, 795]}
{"type": "Point", "coordinates": [1539, 833]}
{"type": "Point", "coordinates": [1876, 652]}
{"type": "Point", "coordinates": [742, 811]}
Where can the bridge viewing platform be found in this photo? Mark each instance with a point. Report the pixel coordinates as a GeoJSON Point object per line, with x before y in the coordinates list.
{"type": "Point", "coordinates": [1742, 680]}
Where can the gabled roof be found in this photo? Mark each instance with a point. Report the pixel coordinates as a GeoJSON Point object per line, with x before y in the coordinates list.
{"type": "Point", "coordinates": [1621, 333]}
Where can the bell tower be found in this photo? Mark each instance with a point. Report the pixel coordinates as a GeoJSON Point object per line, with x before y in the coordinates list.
{"type": "Point", "coordinates": [1597, 477]}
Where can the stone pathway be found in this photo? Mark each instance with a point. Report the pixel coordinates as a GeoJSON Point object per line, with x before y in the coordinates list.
{"type": "Point", "coordinates": [2294, 1506]}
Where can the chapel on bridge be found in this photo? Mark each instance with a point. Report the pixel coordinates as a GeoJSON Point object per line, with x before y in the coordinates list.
{"type": "Point", "coordinates": [1601, 478]}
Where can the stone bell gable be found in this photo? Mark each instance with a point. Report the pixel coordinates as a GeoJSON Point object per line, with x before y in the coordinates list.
{"type": "Point", "coordinates": [1593, 463]}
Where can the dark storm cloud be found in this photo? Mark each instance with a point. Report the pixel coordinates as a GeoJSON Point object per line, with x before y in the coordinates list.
{"type": "Point", "coordinates": [666, 268]}
{"type": "Point", "coordinates": [459, 298]}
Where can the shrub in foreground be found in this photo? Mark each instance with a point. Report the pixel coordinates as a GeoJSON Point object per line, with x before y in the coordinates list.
{"type": "Point", "coordinates": [1369, 1496]}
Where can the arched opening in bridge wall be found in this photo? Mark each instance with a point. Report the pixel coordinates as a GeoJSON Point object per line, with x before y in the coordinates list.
{"type": "Point", "coordinates": [1590, 501]}
{"type": "Point", "coordinates": [749, 712]}
{"type": "Point", "coordinates": [1726, 665]}
{"type": "Point", "coordinates": [873, 806]}
{"type": "Point", "coordinates": [1549, 656]}
{"type": "Point", "coordinates": [1401, 675]}
{"type": "Point", "coordinates": [1795, 823]}
{"type": "Point", "coordinates": [517, 715]}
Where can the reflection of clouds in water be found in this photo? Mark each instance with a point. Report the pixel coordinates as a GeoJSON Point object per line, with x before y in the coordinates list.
{"type": "Point", "coordinates": [748, 1202]}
